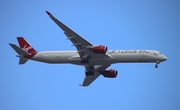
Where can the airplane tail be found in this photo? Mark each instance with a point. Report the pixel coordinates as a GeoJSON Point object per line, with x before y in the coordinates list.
{"type": "Point", "coordinates": [25, 45]}
{"type": "Point", "coordinates": [25, 49]}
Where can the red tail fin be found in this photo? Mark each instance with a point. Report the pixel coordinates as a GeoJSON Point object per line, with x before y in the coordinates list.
{"type": "Point", "coordinates": [25, 45]}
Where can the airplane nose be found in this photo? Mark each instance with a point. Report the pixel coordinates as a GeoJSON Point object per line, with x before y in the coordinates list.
{"type": "Point", "coordinates": [164, 58]}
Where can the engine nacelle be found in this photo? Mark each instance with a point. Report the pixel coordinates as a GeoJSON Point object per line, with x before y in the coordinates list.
{"type": "Point", "coordinates": [110, 73]}
{"type": "Point", "coordinates": [99, 49]}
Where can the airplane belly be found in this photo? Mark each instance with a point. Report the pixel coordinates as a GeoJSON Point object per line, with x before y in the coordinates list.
{"type": "Point", "coordinates": [99, 61]}
{"type": "Point", "coordinates": [130, 58]}
{"type": "Point", "coordinates": [92, 61]}
{"type": "Point", "coordinates": [124, 58]}
{"type": "Point", "coordinates": [61, 59]}
{"type": "Point", "coordinates": [51, 58]}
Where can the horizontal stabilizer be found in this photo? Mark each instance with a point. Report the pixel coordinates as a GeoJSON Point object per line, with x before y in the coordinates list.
{"type": "Point", "coordinates": [18, 50]}
{"type": "Point", "coordinates": [22, 60]}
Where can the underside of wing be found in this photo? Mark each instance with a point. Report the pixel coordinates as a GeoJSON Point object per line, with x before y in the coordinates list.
{"type": "Point", "coordinates": [80, 43]}
{"type": "Point", "coordinates": [95, 72]}
{"type": "Point", "coordinates": [84, 48]}
{"type": "Point", "coordinates": [89, 79]}
{"type": "Point", "coordinates": [88, 53]}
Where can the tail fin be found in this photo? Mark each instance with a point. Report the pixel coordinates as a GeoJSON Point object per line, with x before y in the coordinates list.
{"type": "Point", "coordinates": [25, 45]}
{"type": "Point", "coordinates": [20, 52]}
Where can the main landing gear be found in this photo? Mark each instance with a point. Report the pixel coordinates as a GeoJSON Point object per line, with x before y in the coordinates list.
{"type": "Point", "coordinates": [90, 71]}
{"type": "Point", "coordinates": [85, 59]}
{"type": "Point", "coordinates": [157, 62]}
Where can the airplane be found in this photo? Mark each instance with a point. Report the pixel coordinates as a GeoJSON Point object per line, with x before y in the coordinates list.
{"type": "Point", "coordinates": [95, 58]}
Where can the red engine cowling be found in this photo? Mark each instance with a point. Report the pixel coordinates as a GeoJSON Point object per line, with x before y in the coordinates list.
{"type": "Point", "coordinates": [99, 49]}
{"type": "Point", "coordinates": [110, 73]}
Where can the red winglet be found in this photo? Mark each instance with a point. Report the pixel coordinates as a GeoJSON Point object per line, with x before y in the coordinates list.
{"type": "Point", "coordinates": [48, 13]}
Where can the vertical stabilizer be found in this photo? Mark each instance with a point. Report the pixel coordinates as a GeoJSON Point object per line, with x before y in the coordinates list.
{"type": "Point", "coordinates": [25, 45]}
{"type": "Point", "coordinates": [26, 51]}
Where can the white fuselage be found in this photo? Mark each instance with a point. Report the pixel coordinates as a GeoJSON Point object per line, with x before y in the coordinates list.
{"type": "Point", "coordinates": [114, 56]}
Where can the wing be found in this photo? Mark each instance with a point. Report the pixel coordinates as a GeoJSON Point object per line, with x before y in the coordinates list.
{"type": "Point", "coordinates": [80, 43]}
{"type": "Point", "coordinates": [97, 71]}
{"type": "Point", "coordinates": [83, 47]}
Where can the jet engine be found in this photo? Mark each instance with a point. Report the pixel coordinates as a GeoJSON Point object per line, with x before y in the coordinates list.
{"type": "Point", "coordinates": [99, 49]}
{"type": "Point", "coordinates": [110, 73]}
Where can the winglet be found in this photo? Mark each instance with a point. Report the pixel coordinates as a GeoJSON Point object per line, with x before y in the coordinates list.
{"type": "Point", "coordinates": [48, 13]}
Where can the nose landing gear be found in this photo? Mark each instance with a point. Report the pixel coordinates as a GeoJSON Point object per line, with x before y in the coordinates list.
{"type": "Point", "coordinates": [157, 62]}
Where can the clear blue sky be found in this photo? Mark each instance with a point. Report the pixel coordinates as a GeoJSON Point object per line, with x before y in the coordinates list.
{"type": "Point", "coordinates": [119, 24]}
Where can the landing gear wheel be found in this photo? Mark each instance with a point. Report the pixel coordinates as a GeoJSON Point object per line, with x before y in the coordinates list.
{"type": "Point", "coordinates": [88, 56]}
{"type": "Point", "coordinates": [85, 59]}
{"type": "Point", "coordinates": [157, 62]}
{"type": "Point", "coordinates": [89, 73]}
